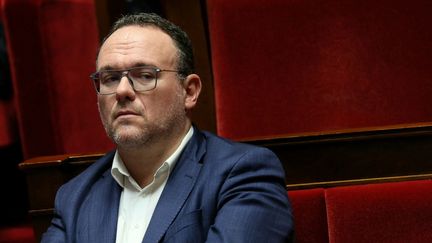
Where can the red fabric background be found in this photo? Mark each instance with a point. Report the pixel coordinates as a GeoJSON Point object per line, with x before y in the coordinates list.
{"type": "Point", "coordinates": [52, 47]}
{"type": "Point", "coordinates": [305, 66]}
{"type": "Point", "coordinates": [17, 234]}
{"type": "Point", "coordinates": [7, 114]}
{"type": "Point", "coordinates": [7, 124]}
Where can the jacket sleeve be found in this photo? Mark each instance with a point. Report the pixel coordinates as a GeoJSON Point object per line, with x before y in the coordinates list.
{"type": "Point", "coordinates": [56, 231]}
{"type": "Point", "coordinates": [253, 205]}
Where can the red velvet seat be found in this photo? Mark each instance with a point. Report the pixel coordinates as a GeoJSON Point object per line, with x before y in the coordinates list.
{"type": "Point", "coordinates": [309, 66]}
{"type": "Point", "coordinates": [384, 212]}
{"type": "Point", "coordinates": [389, 212]}
{"type": "Point", "coordinates": [52, 47]}
{"type": "Point", "coordinates": [310, 218]}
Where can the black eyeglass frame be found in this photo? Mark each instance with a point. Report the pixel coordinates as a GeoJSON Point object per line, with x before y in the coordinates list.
{"type": "Point", "coordinates": [95, 77]}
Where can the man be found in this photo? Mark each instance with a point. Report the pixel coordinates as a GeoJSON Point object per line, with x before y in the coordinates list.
{"type": "Point", "coordinates": [167, 181]}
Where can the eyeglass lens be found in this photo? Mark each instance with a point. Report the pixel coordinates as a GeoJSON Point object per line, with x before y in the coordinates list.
{"type": "Point", "coordinates": [141, 79]}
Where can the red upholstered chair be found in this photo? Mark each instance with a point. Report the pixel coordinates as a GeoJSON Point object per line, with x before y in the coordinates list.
{"type": "Point", "coordinates": [389, 212]}
{"type": "Point", "coordinates": [52, 47]}
{"type": "Point", "coordinates": [309, 66]}
{"type": "Point", "coordinates": [310, 217]}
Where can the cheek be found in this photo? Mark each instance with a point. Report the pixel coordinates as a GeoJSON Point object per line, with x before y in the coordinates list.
{"type": "Point", "coordinates": [165, 102]}
{"type": "Point", "coordinates": [104, 109]}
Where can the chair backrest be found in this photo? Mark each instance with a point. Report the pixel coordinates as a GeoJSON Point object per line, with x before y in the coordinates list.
{"type": "Point", "coordinates": [388, 212]}
{"type": "Point", "coordinates": [310, 218]}
{"type": "Point", "coordinates": [283, 67]}
{"type": "Point", "coordinates": [382, 212]}
{"type": "Point", "coordinates": [52, 47]}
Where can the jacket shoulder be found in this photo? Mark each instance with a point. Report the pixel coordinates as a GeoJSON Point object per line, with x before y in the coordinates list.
{"type": "Point", "coordinates": [87, 177]}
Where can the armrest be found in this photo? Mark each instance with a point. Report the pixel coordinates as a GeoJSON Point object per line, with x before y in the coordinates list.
{"type": "Point", "coordinates": [44, 176]}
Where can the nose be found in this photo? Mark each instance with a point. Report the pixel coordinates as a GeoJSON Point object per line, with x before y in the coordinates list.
{"type": "Point", "coordinates": [125, 90]}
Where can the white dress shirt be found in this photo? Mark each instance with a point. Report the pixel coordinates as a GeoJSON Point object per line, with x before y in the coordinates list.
{"type": "Point", "coordinates": [138, 204]}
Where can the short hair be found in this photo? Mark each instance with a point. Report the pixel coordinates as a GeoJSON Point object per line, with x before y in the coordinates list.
{"type": "Point", "coordinates": [185, 61]}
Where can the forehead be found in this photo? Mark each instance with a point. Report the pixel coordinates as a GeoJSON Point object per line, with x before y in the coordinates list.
{"type": "Point", "coordinates": [137, 45]}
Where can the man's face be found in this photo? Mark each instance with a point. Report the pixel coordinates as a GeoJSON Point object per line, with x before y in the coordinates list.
{"type": "Point", "coordinates": [131, 118]}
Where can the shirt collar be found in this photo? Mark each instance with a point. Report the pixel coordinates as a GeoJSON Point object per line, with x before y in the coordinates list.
{"type": "Point", "coordinates": [120, 173]}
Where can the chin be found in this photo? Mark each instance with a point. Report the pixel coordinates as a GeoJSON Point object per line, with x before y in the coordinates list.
{"type": "Point", "coordinates": [129, 136]}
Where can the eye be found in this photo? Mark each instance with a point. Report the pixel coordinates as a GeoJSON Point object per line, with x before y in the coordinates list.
{"type": "Point", "coordinates": [144, 75]}
{"type": "Point", "coordinates": [108, 78]}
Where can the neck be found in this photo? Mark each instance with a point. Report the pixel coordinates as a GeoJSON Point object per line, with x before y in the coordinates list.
{"type": "Point", "coordinates": [143, 161]}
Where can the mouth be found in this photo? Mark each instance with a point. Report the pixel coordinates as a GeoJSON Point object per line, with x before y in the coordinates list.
{"type": "Point", "coordinates": [125, 113]}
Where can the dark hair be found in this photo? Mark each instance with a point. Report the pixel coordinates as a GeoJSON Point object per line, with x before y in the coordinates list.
{"type": "Point", "coordinates": [185, 63]}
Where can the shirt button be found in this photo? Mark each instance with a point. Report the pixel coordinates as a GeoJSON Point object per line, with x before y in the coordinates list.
{"type": "Point", "coordinates": [136, 226]}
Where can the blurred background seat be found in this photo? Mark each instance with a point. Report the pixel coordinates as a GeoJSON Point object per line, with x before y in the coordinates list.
{"type": "Point", "coordinates": [286, 67]}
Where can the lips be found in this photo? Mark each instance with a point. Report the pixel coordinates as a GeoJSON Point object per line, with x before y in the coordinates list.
{"type": "Point", "coordinates": [125, 113]}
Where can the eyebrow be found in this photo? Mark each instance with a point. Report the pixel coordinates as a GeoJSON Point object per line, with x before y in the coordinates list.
{"type": "Point", "coordinates": [137, 64]}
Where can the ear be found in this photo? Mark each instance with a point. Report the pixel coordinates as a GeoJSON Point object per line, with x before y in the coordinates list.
{"type": "Point", "coordinates": [192, 87]}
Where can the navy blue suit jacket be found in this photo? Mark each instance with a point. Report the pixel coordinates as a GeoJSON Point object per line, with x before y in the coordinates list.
{"type": "Point", "coordinates": [219, 191]}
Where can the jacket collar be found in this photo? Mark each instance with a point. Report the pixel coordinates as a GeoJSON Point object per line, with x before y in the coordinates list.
{"type": "Point", "coordinates": [178, 188]}
{"type": "Point", "coordinates": [103, 204]}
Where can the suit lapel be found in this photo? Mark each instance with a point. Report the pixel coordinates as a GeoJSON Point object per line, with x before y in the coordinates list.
{"type": "Point", "coordinates": [177, 189]}
{"type": "Point", "coordinates": [102, 209]}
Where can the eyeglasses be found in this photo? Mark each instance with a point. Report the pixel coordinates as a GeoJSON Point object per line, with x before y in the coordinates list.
{"type": "Point", "coordinates": [140, 78]}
